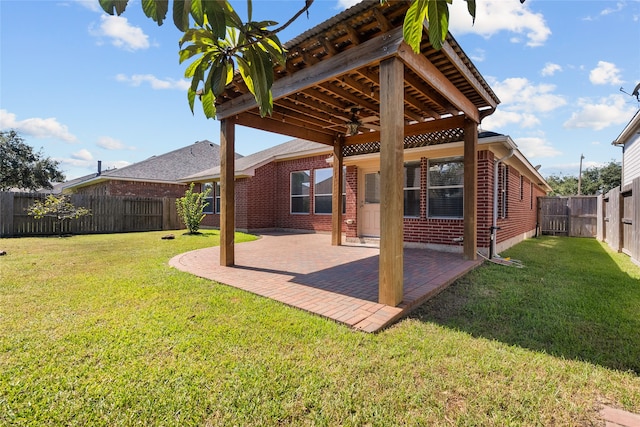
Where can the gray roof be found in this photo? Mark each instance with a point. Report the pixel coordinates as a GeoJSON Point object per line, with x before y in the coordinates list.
{"type": "Point", "coordinates": [168, 167]}
{"type": "Point", "coordinates": [245, 165]}
{"type": "Point", "coordinates": [172, 165]}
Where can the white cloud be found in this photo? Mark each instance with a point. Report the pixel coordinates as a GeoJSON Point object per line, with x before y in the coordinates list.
{"type": "Point", "coordinates": [36, 127]}
{"type": "Point", "coordinates": [605, 73]}
{"type": "Point", "coordinates": [610, 10]}
{"type": "Point", "coordinates": [83, 154]}
{"type": "Point", "coordinates": [116, 164]}
{"type": "Point", "coordinates": [478, 55]}
{"type": "Point", "coordinates": [521, 102]}
{"type": "Point", "coordinates": [109, 143]}
{"type": "Point", "coordinates": [346, 4]}
{"type": "Point", "coordinates": [550, 69]}
{"type": "Point", "coordinates": [534, 147]}
{"type": "Point", "coordinates": [121, 33]}
{"type": "Point", "coordinates": [493, 16]}
{"type": "Point", "coordinates": [88, 4]}
{"type": "Point", "coordinates": [154, 82]}
{"type": "Point", "coordinates": [82, 158]}
{"type": "Point", "coordinates": [602, 113]}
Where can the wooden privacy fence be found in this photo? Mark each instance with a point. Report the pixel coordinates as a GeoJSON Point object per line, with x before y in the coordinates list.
{"type": "Point", "coordinates": [109, 214]}
{"type": "Point", "coordinates": [574, 216]}
{"type": "Point", "coordinates": [619, 219]}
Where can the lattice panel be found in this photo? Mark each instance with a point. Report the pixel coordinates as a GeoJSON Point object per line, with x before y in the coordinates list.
{"type": "Point", "coordinates": [414, 141]}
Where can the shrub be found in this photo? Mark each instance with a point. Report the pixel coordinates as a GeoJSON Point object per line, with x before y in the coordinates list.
{"type": "Point", "coordinates": [191, 207]}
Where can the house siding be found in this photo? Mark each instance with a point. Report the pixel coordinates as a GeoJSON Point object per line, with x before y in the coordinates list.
{"type": "Point", "coordinates": [631, 160]}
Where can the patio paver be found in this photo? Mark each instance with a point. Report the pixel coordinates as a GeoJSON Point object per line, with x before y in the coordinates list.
{"type": "Point", "coordinates": [337, 282]}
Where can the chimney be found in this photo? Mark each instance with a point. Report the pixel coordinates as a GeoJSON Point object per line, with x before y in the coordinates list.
{"type": "Point", "coordinates": [99, 167]}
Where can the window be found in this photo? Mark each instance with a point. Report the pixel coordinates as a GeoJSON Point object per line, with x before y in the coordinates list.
{"type": "Point", "coordinates": [323, 190]}
{"type": "Point", "coordinates": [300, 184]}
{"type": "Point", "coordinates": [208, 209]}
{"type": "Point", "coordinates": [531, 195]}
{"type": "Point", "coordinates": [412, 189]}
{"type": "Point", "coordinates": [503, 187]}
{"type": "Point", "coordinates": [445, 188]}
{"type": "Point", "coordinates": [521, 187]}
{"type": "Point", "coordinates": [372, 188]}
{"type": "Point", "coordinates": [217, 196]}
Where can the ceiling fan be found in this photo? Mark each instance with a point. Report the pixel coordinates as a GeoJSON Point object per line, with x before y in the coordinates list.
{"type": "Point", "coordinates": [354, 123]}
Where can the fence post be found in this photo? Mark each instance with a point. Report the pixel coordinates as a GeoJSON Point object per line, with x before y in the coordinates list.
{"type": "Point", "coordinates": [6, 214]}
{"type": "Point", "coordinates": [635, 225]}
{"type": "Point", "coordinates": [600, 218]}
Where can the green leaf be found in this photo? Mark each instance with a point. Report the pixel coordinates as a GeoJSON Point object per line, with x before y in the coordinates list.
{"type": "Point", "coordinates": [413, 24]}
{"type": "Point", "coordinates": [197, 12]}
{"type": "Point", "coordinates": [249, 10]}
{"type": "Point", "coordinates": [275, 49]}
{"type": "Point", "coordinates": [215, 12]}
{"type": "Point", "coordinates": [471, 7]}
{"type": "Point", "coordinates": [191, 96]}
{"type": "Point", "coordinates": [156, 9]}
{"type": "Point", "coordinates": [208, 104]}
{"type": "Point", "coordinates": [181, 10]}
{"type": "Point", "coordinates": [438, 15]}
{"type": "Point", "coordinates": [231, 17]}
{"type": "Point", "coordinates": [114, 6]}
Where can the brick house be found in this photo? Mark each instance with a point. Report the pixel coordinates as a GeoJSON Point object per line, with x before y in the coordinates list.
{"type": "Point", "coordinates": [288, 187]}
{"type": "Point", "coordinates": [157, 176]}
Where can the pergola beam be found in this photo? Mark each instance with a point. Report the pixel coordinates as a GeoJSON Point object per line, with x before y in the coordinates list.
{"type": "Point", "coordinates": [371, 51]}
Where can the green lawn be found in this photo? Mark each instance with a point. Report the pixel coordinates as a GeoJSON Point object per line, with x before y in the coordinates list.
{"type": "Point", "coordinates": [98, 330]}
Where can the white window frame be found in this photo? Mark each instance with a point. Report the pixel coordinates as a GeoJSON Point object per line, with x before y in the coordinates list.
{"type": "Point", "coordinates": [443, 187]}
{"type": "Point", "coordinates": [406, 189]}
{"type": "Point", "coordinates": [302, 196]}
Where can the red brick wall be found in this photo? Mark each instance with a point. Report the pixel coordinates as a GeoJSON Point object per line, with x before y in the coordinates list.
{"type": "Point", "coordinates": [521, 212]}
{"type": "Point", "coordinates": [283, 216]}
{"type": "Point", "coordinates": [263, 201]}
{"type": "Point", "coordinates": [134, 189]}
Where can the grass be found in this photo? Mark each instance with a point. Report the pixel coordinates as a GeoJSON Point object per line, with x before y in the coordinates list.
{"type": "Point", "coordinates": [98, 330]}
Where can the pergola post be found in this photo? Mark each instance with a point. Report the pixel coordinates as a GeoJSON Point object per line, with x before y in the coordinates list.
{"type": "Point", "coordinates": [336, 195]}
{"type": "Point", "coordinates": [470, 202]}
{"type": "Point", "coordinates": [227, 192]}
{"type": "Point", "coordinates": [390, 287]}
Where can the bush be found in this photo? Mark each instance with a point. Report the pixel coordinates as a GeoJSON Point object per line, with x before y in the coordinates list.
{"type": "Point", "coordinates": [191, 207]}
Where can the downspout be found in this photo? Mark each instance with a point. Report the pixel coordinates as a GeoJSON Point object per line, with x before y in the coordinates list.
{"type": "Point", "coordinates": [494, 224]}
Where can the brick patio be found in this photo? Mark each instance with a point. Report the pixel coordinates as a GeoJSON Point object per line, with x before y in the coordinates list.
{"type": "Point", "coordinates": [337, 282]}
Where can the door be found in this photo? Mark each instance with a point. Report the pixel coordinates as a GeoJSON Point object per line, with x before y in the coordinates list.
{"type": "Point", "coordinates": [369, 203]}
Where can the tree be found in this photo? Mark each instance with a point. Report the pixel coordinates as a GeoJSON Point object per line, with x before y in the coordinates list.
{"type": "Point", "coordinates": [191, 207]}
{"type": "Point", "coordinates": [21, 167]}
{"type": "Point", "coordinates": [222, 40]}
{"type": "Point", "coordinates": [59, 208]}
{"type": "Point", "coordinates": [594, 180]}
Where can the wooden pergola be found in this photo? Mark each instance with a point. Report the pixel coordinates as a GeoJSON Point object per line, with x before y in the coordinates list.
{"type": "Point", "coordinates": [356, 65]}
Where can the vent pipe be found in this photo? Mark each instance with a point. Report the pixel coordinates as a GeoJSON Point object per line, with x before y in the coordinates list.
{"type": "Point", "coordinates": [99, 167]}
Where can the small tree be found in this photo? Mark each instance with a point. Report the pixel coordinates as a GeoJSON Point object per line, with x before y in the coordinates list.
{"type": "Point", "coordinates": [191, 207]}
{"type": "Point", "coordinates": [59, 208]}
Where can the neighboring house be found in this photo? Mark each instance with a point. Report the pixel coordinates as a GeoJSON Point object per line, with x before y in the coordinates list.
{"type": "Point", "coordinates": [629, 140]}
{"type": "Point", "coordinates": [157, 176]}
{"type": "Point", "coordinates": [288, 187]}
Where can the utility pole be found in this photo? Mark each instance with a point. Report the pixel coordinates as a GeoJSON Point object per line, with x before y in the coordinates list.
{"type": "Point", "coordinates": [580, 176]}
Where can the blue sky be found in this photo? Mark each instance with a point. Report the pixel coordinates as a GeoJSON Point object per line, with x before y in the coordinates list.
{"type": "Point", "coordinates": [84, 86]}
